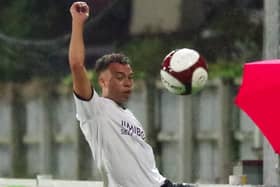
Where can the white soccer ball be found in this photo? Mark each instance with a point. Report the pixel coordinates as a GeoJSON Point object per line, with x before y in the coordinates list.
{"type": "Point", "coordinates": [184, 71]}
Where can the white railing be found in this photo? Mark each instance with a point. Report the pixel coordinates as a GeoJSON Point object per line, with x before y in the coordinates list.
{"type": "Point", "coordinates": [9, 182]}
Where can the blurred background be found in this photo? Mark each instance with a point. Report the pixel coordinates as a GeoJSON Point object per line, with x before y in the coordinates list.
{"type": "Point", "coordinates": [197, 138]}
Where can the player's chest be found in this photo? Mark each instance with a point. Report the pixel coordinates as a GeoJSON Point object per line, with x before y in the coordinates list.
{"type": "Point", "coordinates": [126, 125]}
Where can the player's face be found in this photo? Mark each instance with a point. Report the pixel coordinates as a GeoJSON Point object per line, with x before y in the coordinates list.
{"type": "Point", "coordinates": [119, 82]}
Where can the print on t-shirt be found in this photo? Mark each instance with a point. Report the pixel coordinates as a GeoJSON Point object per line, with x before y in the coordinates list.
{"type": "Point", "coordinates": [129, 129]}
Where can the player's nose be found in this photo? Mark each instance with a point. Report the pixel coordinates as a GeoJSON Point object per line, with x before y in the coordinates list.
{"type": "Point", "coordinates": [128, 82]}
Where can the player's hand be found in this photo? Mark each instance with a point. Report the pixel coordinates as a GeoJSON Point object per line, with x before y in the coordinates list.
{"type": "Point", "coordinates": [79, 11]}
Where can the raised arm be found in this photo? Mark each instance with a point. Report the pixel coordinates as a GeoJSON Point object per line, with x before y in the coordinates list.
{"type": "Point", "coordinates": [81, 83]}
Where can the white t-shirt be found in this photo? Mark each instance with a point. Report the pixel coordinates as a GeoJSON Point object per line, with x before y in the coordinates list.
{"type": "Point", "coordinates": [116, 139]}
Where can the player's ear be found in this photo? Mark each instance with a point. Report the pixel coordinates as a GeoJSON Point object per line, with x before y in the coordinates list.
{"type": "Point", "coordinates": [102, 80]}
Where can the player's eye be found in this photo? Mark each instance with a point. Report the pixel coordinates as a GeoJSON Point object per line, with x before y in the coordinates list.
{"type": "Point", "coordinates": [119, 76]}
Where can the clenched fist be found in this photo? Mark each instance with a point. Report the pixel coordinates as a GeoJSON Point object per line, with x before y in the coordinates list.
{"type": "Point", "coordinates": [79, 11]}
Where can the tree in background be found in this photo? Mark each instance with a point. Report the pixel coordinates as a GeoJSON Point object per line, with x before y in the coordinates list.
{"type": "Point", "coordinates": [35, 36]}
{"type": "Point", "coordinates": [28, 20]}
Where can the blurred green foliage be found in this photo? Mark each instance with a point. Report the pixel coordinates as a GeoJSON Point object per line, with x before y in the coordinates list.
{"type": "Point", "coordinates": [147, 55]}
{"type": "Point", "coordinates": [233, 38]}
{"type": "Point", "coordinates": [34, 19]}
{"type": "Point", "coordinates": [227, 70]}
{"type": "Point", "coordinates": [30, 20]}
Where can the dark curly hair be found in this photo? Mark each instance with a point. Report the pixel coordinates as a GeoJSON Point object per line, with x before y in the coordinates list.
{"type": "Point", "coordinates": [103, 62]}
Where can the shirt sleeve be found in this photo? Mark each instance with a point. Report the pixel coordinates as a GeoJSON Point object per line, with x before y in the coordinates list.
{"type": "Point", "coordinates": [87, 109]}
{"type": "Point", "coordinates": [88, 114]}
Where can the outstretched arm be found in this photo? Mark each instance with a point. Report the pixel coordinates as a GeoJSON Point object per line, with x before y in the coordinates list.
{"type": "Point", "coordinates": [81, 83]}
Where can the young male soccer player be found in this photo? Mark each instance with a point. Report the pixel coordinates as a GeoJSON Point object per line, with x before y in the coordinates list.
{"type": "Point", "coordinates": [115, 136]}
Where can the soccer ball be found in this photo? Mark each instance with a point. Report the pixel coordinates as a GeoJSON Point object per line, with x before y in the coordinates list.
{"type": "Point", "coordinates": [184, 71]}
